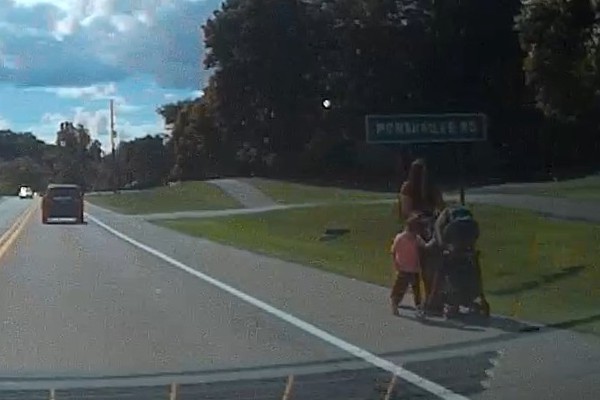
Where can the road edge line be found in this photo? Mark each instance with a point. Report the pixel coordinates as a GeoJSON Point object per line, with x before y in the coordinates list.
{"type": "Point", "coordinates": [13, 232]}
{"type": "Point", "coordinates": [15, 223]}
{"type": "Point", "coordinates": [425, 384]}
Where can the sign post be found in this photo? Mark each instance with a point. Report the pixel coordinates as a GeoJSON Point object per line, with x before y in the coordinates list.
{"type": "Point", "coordinates": [429, 128]}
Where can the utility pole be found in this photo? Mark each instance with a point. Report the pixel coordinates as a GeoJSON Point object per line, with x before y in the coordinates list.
{"type": "Point", "coordinates": [113, 135]}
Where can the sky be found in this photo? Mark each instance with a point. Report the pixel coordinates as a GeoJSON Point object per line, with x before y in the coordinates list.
{"type": "Point", "coordinates": [62, 60]}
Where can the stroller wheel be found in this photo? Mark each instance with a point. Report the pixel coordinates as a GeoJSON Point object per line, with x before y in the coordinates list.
{"type": "Point", "coordinates": [450, 311]}
{"type": "Point", "coordinates": [482, 308]}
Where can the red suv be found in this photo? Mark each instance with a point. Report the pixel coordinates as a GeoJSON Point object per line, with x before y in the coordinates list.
{"type": "Point", "coordinates": [62, 201]}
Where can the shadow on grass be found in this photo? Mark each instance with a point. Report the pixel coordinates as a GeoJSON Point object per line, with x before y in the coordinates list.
{"type": "Point", "coordinates": [545, 279]}
{"type": "Point", "coordinates": [572, 323]}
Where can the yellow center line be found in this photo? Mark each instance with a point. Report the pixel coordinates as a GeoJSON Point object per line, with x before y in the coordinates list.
{"type": "Point", "coordinates": [12, 233]}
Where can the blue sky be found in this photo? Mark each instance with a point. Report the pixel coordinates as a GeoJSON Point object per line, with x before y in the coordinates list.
{"type": "Point", "coordinates": [64, 59]}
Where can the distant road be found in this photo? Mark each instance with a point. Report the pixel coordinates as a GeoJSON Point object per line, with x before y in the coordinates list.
{"type": "Point", "coordinates": [556, 207]}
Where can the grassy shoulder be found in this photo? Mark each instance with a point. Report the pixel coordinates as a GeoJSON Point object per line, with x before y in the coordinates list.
{"type": "Point", "coordinates": [183, 197]}
{"type": "Point", "coordinates": [537, 268]}
{"type": "Point", "coordinates": [288, 192]}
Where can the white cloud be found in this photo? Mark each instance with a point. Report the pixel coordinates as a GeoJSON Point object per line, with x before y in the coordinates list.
{"type": "Point", "coordinates": [4, 124]}
{"type": "Point", "coordinates": [98, 92]}
{"type": "Point", "coordinates": [122, 106]}
{"type": "Point", "coordinates": [83, 42]}
{"type": "Point", "coordinates": [124, 23]}
{"type": "Point", "coordinates": [65, 27]}
{"type": "Point", "coordinates": [194, 94]}
{"type": "Point", "coordinates": [53, 119]}
{"type": "Point", "coordinates": [98, 124]}
{"type": "Point", "coordinates": [91, 92]}
{"type": "Point", "coordinates": [127, 130]}
{"type": "Point", "coordinates": [155, 44]}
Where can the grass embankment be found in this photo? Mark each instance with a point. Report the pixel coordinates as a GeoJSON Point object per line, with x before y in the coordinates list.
{"type": "Point", "coordinates": [289, 193]}
{"type": "Point", "coordinates": [183, 197]}
{"type": "Point", "coordinates": [548, 267]}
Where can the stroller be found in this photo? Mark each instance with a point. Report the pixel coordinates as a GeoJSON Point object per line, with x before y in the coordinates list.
{"type": "Point", "coordinates": [455, 279]}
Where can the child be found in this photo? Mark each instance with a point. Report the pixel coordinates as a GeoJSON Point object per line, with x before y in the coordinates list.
{"type": "Point", "coordinates": [405, 253]}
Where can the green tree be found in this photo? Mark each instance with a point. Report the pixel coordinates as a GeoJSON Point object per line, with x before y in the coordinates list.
{"type": "Point", "coordinates": [275, 62]}
{"type": "Point", "coordinates": [560, 39]}
{"type": "Point", "coordinates": [71, 160]}
{"type": "Point", "coordinates": [144, 160]}
{"type": "Point", "coordinates": [170, 111]}
{"type": "Point", "coordinates": [20, 144]}
{"type": "Point", "coordinates": [21, 171]}
{"type": "Point", "coordinates": [195, 143]}
{"type": "Point", "coordinates": [264, 76]}
{"type": "Point", "coordinates": [21, 161]}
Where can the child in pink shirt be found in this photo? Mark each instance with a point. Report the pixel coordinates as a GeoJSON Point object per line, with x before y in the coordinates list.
{"type": "Point", "coordinates": [405, 253]}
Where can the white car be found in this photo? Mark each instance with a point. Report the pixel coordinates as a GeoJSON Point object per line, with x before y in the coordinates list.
{"type": "Point", "coordinates": [25, 192]}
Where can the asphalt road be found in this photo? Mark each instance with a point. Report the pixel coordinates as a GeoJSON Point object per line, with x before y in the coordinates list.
{"type": "Point", "coordinates": [80, 304]}
{"type": "Point", "coordinates": [10, 208]}
{"type": "Point", "coordinates": [75, 301]}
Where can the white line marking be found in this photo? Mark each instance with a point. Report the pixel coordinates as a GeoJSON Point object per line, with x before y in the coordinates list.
{"type": "Point", "coordinates": [429, 386]}
{"type": "Point", "coordinates": [495, 361]}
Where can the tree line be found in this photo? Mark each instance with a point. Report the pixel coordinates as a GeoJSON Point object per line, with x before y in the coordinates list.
{"type": "Point", "coordinates": [26, 160]}
{"type": "Point", "coordinates": [291, 82]}
{"type": "Point", "coordinates": [531, 66]}
{"type": "Point", "coordinates": [75, 157]}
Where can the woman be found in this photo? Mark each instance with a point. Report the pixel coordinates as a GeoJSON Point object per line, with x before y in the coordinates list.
{"type": "Point", "coordinates": [420, 196]}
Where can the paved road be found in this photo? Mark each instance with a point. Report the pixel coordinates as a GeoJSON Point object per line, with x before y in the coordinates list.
{"type": "Point", "coordinates": [10, 209]}
{"type": "Point", "coordinates": [242, 211]}
{"type": "Point", "coordinates": [76, 300]}
{"type": "Point", "coordinates": [554, 207]}
{"type": "Point", "coordinates": [246, 194]}
{"type": "Point", "coordinates": [80, 301]}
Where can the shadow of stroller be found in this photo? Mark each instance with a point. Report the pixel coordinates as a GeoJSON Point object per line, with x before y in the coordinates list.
{"type": "Point", "coordinates": [476, 323]}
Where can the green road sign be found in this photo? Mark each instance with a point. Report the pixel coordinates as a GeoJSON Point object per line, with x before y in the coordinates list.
{"type": "Point", "coordinates": [426, 128]}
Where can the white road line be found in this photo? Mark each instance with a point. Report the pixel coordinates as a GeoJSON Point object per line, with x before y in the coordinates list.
{"type": "Point", "coordinates": [429, 386]}
{"type": "Point", "coordinates": [495, 361]}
